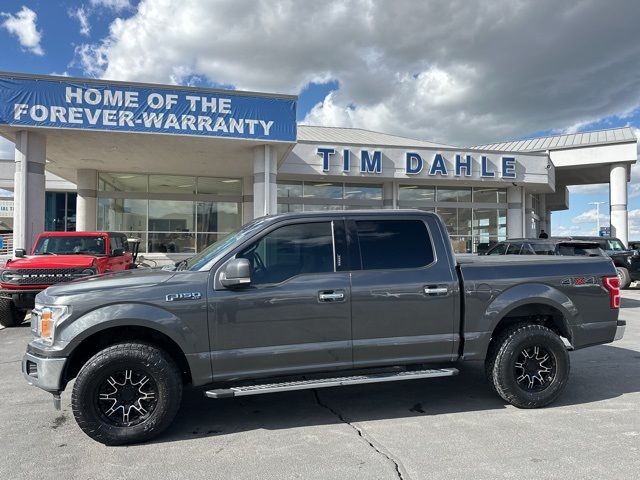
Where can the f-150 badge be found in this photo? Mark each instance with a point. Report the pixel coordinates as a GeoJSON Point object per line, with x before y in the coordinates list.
{"type": "Point", "coordinates": [174, 297]}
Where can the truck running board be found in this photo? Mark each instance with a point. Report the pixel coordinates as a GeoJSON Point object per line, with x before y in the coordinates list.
{"type": "Point", "coordinates": [329, 382]}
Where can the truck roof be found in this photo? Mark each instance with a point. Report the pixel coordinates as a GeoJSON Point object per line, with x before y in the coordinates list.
{"type": "Point", "coordinates": [79, 234]}
{"type": "Point", "coordinates": [349, 213]}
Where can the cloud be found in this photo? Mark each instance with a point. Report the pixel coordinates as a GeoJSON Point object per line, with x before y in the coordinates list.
{"type": "Point", "coordinates": [462, 72]}
{"type": "Point", "coordinates": [590, 216]}
{"type": "Point", "coordinates": [115, 5]}
{"type": "Point", "coordinates": [23, 26]}
{"type": "Point", "coordinates": [82, 15]}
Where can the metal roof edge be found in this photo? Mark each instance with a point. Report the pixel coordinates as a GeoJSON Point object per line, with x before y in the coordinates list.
{"type": "Point", "coordinates": [426, 147]}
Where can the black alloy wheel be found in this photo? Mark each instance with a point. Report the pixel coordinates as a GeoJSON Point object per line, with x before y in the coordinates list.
{"type": "Point", "coordinates": [126, 397]}
{"type": "Point", "coordinates": [535, 368]}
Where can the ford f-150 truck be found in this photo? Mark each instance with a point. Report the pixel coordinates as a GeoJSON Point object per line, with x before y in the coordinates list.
{"type": "Point", "coordinates": [57, 257]}
{"type": "Point", "coordinates": [312, 300]}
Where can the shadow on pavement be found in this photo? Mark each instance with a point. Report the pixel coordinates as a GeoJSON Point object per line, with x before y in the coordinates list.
{"type": "Point", "coordinates": [598, 373]}
{"type": "Point", "coordinates": [629, 302]}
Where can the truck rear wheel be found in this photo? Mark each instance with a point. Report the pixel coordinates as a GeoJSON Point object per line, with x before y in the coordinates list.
{"type": "Point", "coordinates": [10, 315]}
{"type": "Point", "coordinates": [529, 366]}
{"type": "Point", "coordinates": [127, 393]}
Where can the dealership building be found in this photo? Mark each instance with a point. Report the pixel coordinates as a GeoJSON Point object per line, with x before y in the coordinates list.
{"type": "Point", "coordinates": [179, 167]}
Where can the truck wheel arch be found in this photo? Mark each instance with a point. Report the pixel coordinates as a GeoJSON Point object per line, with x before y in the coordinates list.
{"type": "Point", "coordinates": [103, 338]}
{"type": "Point", "coordinates": [115, 323]}
{"type": "Point", "coordinates": [532, 303]}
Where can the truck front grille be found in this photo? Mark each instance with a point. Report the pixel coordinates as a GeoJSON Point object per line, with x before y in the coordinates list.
{"type": "Point", "coordinates": [40, 276]}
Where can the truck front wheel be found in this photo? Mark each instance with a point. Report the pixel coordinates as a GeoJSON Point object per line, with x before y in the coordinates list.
{"type": "Point", "coordinates": [624, 276]}
{"type": "Point", "coordinates": [127, 393]}
{"type": "Point", "coordinates": [529, 366]}
{"type": "Point", "coordinates": [10, 315]}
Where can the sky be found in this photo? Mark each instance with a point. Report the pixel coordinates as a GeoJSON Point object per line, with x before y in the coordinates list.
{"type": "Point", "coordinates": [460, 72]}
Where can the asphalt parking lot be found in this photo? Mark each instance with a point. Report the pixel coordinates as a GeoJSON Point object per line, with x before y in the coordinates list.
{"type": "Point", "coordinates": [437, 429]}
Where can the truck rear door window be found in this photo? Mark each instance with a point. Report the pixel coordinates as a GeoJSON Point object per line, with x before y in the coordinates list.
{"type": "Point", "coordinates": [289, 251]}
{"type": "Point", "coordinates": [392, 244]}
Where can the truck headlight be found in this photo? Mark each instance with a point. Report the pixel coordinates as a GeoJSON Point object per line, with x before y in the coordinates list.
{"type": "Point", "coordinates": [9, 276]}
{"type": "Point", "coordinates": [45, 319]}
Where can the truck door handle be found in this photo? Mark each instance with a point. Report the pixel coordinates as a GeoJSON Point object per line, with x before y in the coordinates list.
{"type": "Point", "coordinates": [435, 290]}
{"type": "Point", "coordinates": [331, 295]}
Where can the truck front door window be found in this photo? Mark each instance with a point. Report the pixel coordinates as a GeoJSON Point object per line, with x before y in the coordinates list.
{"type": "Point", "coordinates": [289, 251]}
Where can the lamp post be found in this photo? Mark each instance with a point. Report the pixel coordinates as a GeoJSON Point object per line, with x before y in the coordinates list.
{"type": "Point", "coordinates": [597, 204]}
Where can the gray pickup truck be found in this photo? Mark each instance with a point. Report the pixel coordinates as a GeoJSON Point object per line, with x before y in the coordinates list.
{"type": "Point", "coordinates": [314, 300]}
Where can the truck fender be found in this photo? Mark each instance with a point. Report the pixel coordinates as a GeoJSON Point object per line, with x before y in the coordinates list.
{"type": "Point", "coordinates": [128, 315]}
{"type": "Point", "coordinates": [525, 294]}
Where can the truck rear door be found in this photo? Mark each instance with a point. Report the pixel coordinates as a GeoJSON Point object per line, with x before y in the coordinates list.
{"type": "Point", "coordinates": [404, 294]}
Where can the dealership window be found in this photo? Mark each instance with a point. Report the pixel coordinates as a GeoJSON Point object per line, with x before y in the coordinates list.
{"type": "Point", "coordinates": [297, 196]}
{"type": "Point", "coordinates": [472, 216]}
{"type": "Point", "coordinates": [416, 193]}
{"type": "Point", "coordinates": [60, 211]}
{"type": "Point", "coordinates": [169, 213]}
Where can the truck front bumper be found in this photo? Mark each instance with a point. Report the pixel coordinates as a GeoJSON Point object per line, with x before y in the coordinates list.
{"type": "Point", "coordinates": [22, 298]}
{"type": "Point", "coordinates": [622, 324]}
{"type": "Point", "coordinates": [45, 373]}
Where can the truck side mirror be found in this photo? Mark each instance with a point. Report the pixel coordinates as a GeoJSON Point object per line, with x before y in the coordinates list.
{"type": "Point", "coordinates": [236, 273]}
{"type": "Point", "coordinates": [20, 252]}
{"type": "Point", "coordinates": [117, 252]}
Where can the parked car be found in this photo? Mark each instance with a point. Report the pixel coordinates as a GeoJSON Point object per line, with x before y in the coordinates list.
{"type": "Point", "coordinates": [626, 260]}
{"type": "Point", "coordinates": [337, 298]}
{"type": "Point", "coordinates": [551, 246]}
{"type": "Point", "coordinates": [57, 257]}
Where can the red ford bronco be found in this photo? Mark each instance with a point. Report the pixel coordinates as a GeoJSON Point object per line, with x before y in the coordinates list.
{"type": "Point", "coordinates": [58, 257]}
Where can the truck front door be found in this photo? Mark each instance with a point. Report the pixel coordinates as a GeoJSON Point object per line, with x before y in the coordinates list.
{"type": "Point", "coordinates": [295, 316]}
{"type": "Point", "coordinates": [404, 295]}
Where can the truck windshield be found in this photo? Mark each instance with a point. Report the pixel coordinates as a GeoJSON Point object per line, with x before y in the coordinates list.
{"type": "Point", "coordinates": [615, 245]}
{"type": "Point", "coordinates": [88, 245]}
{"type": "Point", "coordinates": [197, 262]}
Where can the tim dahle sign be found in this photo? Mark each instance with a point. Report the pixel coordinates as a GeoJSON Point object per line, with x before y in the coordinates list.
{"type": "Point", "coordinates": [145, 109]}
{"type": "Point", "coordinates": [414, 164]}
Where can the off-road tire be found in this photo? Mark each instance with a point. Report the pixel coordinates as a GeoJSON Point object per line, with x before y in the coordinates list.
{"type": "Point", "coordinates": [504, 353]}
{"type": "Point", "coordinates": [139, 357]}
{"type": "Point", "coordinates": [10, 315]}
{"type": "Point", "coordinates": [623, 275]}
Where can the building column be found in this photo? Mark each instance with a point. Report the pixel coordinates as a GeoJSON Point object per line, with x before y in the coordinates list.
{"type": "Point", "coordinates": [515, 212]}
{"type": "Point", "coordinates": [542, 213]}
{"type": "Point", "coordinates": [618, 201]}
{"type": "Point", "coordinates": [29, 188]}
{"type": "Point", "coordinates": [528, 216]}
{"type": "Point", "coordinates": [86, 204]}
{"type": "Point", "coordinates": [388, 195]}
{"type": "Point", "coordinates": [265, 192]}
{"type": "Point", "coordinates": [247, 199]}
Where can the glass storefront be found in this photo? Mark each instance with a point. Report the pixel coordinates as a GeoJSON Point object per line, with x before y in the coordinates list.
{"type": "Point", "coordinates": [472, 215]}
{"type": "Point", "coordinates": [316, 196]}
{"type": "Point", "coordinates": [60, 211]}
{"type": "Point", "coordinates": [169, 213]}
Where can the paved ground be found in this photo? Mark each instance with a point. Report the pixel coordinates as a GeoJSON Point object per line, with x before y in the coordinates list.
{"type": "Point", "coordinates": [437, 429]}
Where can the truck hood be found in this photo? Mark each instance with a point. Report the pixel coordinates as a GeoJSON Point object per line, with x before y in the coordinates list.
{"type": "Point", "coordinates": [110, 281]}
{"type": "Point", "coordinates": [52, 261]}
